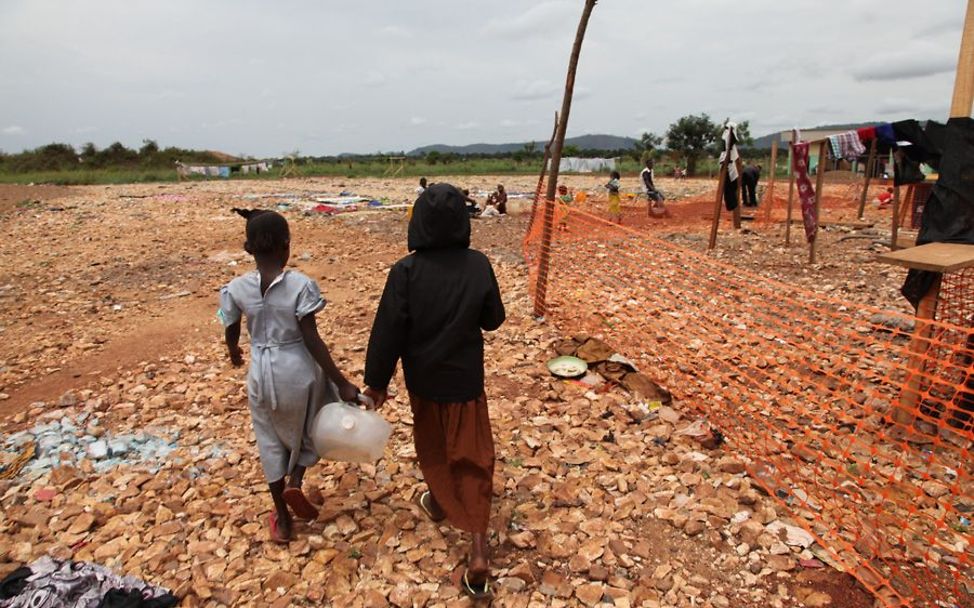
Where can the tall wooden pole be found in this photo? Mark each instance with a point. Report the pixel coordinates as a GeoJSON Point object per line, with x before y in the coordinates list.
{"type": "Point", "coordinates": [869, 175]}
{"type": "Point", "coordinates": [963, 101]}
{"type": "Point", "coordinates": [540, 293]}
{"type": "Point", "coordinates": [895, 231]}
{"type": "Point", "coordinates": [791, 184]}
{"type": "Point", "coordinates": [823, 156]}
{"type": "Point", "coordinates": [544, 169]}
{"type": "Point", "coordinates": [740, 193]}
{"type": "Point", "coordinates": [718, 204]}
{"type": "Point", "coordinates": [768, 199]}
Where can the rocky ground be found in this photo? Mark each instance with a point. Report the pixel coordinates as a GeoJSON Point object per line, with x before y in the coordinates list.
{"type": "Point", "coordinates": [107, 300]}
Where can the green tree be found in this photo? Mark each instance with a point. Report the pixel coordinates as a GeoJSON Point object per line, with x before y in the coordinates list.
{"type": "Point", "coordinates": [643, 149]}
{"type": "Point", "coordinates": [88, 152]}
{"type": "Point", "coordinates": [692, 137]}
{"type": "Point", "coordinates": [530, 148]}
{"type": "Point", "coordinates": [570, 151]}
{"type": "Point", "coordinates": [433, 157]}
{"type": "Point", "coordinates": [149, 148]}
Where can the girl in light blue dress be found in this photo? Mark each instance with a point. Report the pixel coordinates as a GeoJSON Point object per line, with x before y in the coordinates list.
{"type": "Point", "coordinates": [291, 373]}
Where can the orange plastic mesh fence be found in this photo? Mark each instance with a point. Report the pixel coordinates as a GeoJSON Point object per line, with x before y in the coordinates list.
{"type": "Point", "coordinates": [804, 386]}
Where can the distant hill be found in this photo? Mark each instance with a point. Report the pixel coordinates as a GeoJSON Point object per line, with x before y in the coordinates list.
{"type": "Point", "coordinates": [764, 143]}
{"type": "Point", "coordinates": [583, 142]}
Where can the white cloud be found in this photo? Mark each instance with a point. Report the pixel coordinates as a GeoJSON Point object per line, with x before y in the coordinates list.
{"type": "Point", "coordinates": [466, 126]}
{"type": "Point", "coordinates": [532, 90]}
{"type": "Point", "coordinates": [13, 130]}
{"type": "Point", "coordinates": [373, 79]}
{"type": "Point", "coordinates": [417, 120]}
{"type": "Point", "coordinates": [902, 64]}
{"type": "Point", "coordinates": [537, 20]}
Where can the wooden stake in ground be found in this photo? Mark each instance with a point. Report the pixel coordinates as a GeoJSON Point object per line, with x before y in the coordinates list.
{"type": "Point", "coordinates": [869, 175]}
{"type": "Point", "coordinates": [540, 292]}
{"type": "Point", "coordinates": [791, 188]}
{"type": "Point", "coordinates": [963, 101]}
{"type": "Point", "coordinates": [544, 169]}
{"type": "Point", "coordinates": [768, 199]}
{"type": "Point", "coordinates": [718, 204]}
{"type": "Point", "coordinates": [895, 231]}
{"type": "Point", "coordinates": [823, 157]}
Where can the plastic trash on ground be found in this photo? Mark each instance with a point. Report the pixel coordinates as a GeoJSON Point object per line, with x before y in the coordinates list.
{"type": "Point", "coordinates": [347, 433]}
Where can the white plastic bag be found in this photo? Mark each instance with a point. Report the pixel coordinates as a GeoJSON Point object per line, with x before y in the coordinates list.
{"type": "Point", "coordinates": [345, 432]}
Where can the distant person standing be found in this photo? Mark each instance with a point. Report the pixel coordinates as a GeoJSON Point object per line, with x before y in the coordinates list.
{"type": "Point", "coordinates": [615, 201]}
{"type": "Point", "coordinates": [750, 176]}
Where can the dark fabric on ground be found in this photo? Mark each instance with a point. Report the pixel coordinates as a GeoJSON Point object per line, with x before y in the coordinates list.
{"type": "Point", "coordinates": [455, 448]}
{"type": "Point", "coordinates": [13, 584]}
{"type": "Point", "coordinates": [948, 216]}
{"type": "Point", "coordinates": [435, 305]}
{"type": "Point", "coordinates": [131, 598]}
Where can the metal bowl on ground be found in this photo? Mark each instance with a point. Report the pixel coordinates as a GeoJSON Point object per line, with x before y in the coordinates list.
{"type": "Point", "coordinates": [567, 367]}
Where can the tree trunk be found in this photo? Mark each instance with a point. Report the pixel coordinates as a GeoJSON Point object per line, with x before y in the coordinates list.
{"type": "Point", "coordinates": [566, 104]}
{"type": "Point", "coordinates": [691, 166]}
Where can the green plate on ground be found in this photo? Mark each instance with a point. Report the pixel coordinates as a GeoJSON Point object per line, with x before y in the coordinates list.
{"type": "Point", "coordinates": [567, 367]}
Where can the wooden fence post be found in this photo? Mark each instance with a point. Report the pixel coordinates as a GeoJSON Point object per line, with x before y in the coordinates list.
{"type": "Point", "coordinates": [541, 289]}
{"type": "Point", "coordinates": [869, 175]}
{"type": "Point", "coordinates": [823, 156]}
{"type": "Point", "coordinates": [721, 184]}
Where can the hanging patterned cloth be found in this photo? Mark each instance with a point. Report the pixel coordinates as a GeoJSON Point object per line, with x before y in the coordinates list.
{"type": "Point", "coordinates": [806, 193]}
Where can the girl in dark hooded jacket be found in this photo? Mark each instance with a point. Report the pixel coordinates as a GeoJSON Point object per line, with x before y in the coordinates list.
{"type": "Point", "coordinates": [436, 302]}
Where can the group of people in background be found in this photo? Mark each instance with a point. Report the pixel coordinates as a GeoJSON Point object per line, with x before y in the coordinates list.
{"type": "Point", "coordinates": [495, 206]}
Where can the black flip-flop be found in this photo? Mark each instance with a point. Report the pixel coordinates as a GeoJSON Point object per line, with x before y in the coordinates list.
{"type": "Point", "coordinates": [472, 591]}
{"type": "Point", "coordinates": [422, 501]}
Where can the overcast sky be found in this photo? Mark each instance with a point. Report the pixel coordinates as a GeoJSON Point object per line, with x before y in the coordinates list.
{"type": "Point", "coordinates": [324, 77]}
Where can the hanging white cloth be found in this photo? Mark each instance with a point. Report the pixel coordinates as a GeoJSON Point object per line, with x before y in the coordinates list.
{"type": "Point", "coordinates": [730, 133]}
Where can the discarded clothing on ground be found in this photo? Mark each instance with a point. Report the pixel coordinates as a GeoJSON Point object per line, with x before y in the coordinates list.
{"type": "Point", "coordinates": [66, 584]}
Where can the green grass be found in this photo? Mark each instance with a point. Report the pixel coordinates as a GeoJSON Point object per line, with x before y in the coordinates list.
{"type": "Point", "coordinates": [414, 168]}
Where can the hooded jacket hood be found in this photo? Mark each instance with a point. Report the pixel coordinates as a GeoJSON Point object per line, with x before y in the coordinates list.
{"type": "Point", "coordinates": [440, 220]}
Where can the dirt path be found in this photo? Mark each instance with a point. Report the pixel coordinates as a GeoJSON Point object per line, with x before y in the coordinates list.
{"type": "Point", "coordinates": [123, 350]}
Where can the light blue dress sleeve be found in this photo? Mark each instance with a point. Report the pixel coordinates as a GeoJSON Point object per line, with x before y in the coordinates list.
{"type": "Point", "coordinates": [229, 312]}
{"type": "Point", "coordinates": [309, 300]}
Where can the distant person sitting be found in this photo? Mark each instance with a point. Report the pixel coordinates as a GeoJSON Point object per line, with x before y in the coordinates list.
{"type": "Point", "coordinates": [654, 197]}
{"type": "Point", "coordinates": [749, 180]}
{"type": "Point", "coordinates": [498, 198]}
{"type": "Point", "coordinates": [422, 186]}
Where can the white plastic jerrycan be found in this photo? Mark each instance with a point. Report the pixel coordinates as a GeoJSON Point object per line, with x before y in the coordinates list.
{"type": "Point", "coordinates": [344, 432]}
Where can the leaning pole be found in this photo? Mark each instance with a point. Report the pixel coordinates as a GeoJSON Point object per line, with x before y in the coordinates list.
{"type": "Point", "coordinates": [559, 141]}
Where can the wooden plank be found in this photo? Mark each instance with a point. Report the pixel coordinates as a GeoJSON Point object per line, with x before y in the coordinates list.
{"type": "Point", "coordinates": [963, 100]}
{"type": "Point", "coordinates": [936, 257]}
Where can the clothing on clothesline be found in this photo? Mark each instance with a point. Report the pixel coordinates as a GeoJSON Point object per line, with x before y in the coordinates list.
{"type": "Point", "coordinates": [885, 133]}
{"type": "Point", "coordinates": [730, 194]}
{"type": "Point", "coordinates": [847, 145]}
{"type": "Point", "coordinates": [806, 193]}
{"type": "Point", "coordinates": [730, 145]}
{"type": "Point", "coordinates": [926, 143]}
{"type": "Point", "coordinates": [866, 133]}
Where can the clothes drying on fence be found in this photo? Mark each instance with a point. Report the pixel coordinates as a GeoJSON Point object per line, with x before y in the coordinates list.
{"type": "Point", "coordinates": [847, 145]}
{"type": "Point", "coordinates": [866, 133]}
{"type": "Point", "coordinates": [885, 134]}
{"type": "Point", "coordinates": [730, 146]}
{"type": "Point", "coordinates": [948, 216]}
{"type": "Point", "coordinates": [51, 583]}
{"type": "Point", "coordinates": [731, 200]}
{"type": "Point", "coordinates": [806, 193]}
{"type": "Point", "coordinates": [586, 165]}
{"type": "Point", "coordinates": [926, 143]}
